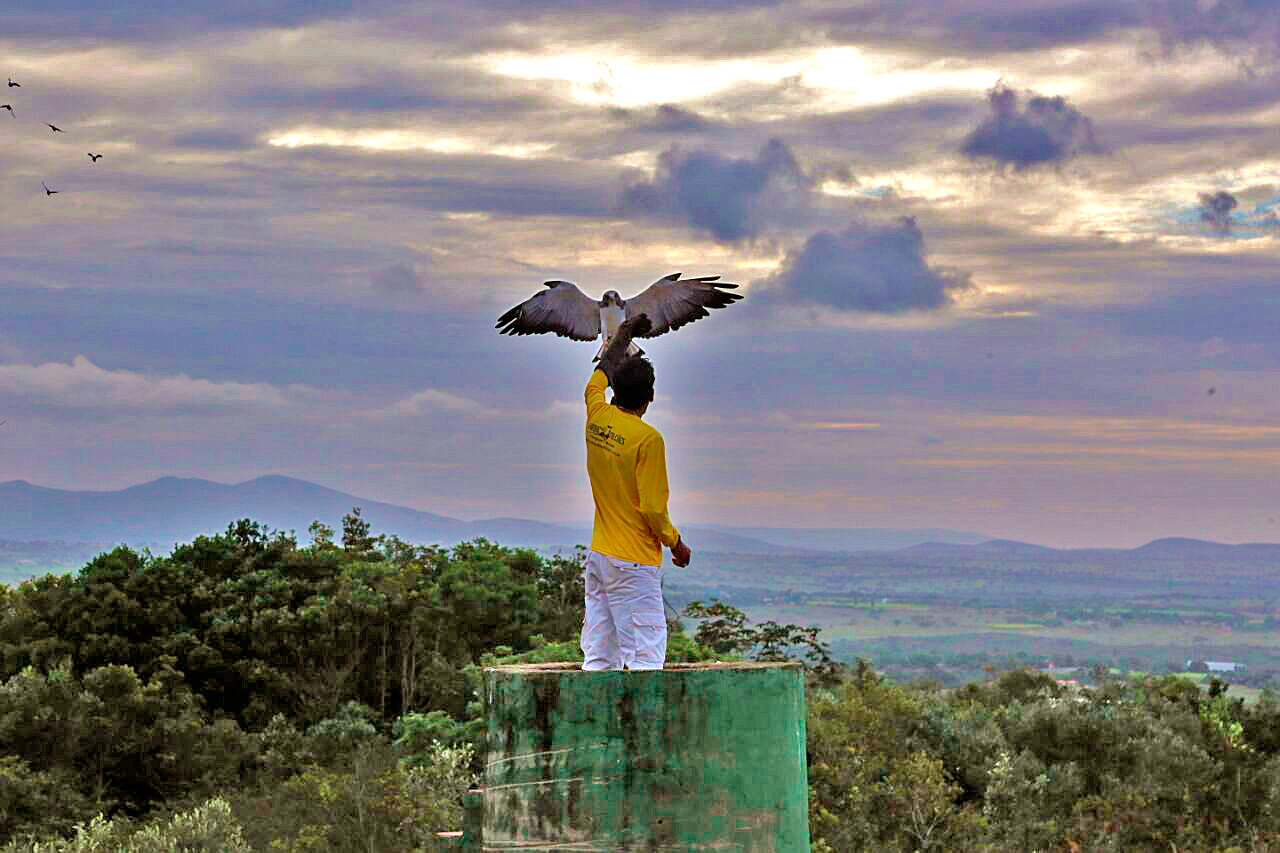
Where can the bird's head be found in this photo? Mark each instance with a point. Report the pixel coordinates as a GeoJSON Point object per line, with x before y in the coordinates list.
{"type": "Point", "coordinates": [612, 297]}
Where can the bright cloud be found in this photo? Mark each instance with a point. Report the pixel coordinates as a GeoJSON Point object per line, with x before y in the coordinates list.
{"type": "Point", "coordinates": [83, 385]}
{"type": "Point", "coordinates": [404, 140]}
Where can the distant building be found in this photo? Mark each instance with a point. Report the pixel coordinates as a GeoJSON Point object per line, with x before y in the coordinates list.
{"type": "Point", "coordinates": [1214, 666]}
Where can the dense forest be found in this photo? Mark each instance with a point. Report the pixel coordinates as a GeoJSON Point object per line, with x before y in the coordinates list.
{"type": "Point", "coordinates": [246, 693]}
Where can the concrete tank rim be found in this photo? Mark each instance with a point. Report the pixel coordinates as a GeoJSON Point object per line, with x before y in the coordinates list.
{"type": "Point", "coordinates": [673, 668]}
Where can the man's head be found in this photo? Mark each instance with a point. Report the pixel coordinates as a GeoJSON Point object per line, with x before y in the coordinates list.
{"type": "Point", "coordinates": [632, 383]}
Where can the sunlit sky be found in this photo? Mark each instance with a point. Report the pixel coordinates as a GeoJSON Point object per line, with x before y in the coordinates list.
{"type": "Point", "coordinates": [1011, 268]}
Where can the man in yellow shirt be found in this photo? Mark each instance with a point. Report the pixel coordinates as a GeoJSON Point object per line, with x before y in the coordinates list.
{"type": "Point", "coordinates": [624, 626]}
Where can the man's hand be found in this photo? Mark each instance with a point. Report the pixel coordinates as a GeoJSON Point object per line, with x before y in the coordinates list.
{"type": "Point", "coordinates": [635, 327]}
{"type": "Point", "coordinates": [681, 555]}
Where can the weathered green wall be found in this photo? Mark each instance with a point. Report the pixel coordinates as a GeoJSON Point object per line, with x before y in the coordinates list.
{"type": "Point", "coordinates": [691, 757]}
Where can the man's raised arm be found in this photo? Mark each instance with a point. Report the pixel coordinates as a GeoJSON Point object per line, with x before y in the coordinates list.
{"type": "Point", "coordinates": [634, 327]}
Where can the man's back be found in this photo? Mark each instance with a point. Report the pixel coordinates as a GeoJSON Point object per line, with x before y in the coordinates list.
{"type": "Point", "coordinates": [626, 462]}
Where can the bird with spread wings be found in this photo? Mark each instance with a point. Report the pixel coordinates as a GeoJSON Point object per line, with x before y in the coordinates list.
{"type": "Point", "coordinates": [669, 302]}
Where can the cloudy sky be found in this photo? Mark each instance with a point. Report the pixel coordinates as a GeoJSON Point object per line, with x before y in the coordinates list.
{"type": "Point", "coordinates": [1009, 267]}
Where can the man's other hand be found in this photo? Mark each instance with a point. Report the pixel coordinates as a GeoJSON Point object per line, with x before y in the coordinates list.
{"type": "Point", "coordinates": [681, 555]}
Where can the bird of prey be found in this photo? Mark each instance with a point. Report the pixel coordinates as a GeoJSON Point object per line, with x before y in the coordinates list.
{"type": "Point", "coordinates": [562, 308]}
{"type": "Point", "coordinates": [49, 192]}
{"type": "Point", "coordinates": [8, 107]}
{"type": "Point", "coordinates": [55, 128]}
{"type": "Point", "coordinates": [94, 157]}
{"type": "Point", "coordinates": [13, 85]}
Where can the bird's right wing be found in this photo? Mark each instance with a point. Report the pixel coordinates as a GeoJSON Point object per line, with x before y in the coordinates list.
{"type": "Point", "coordinates": [562, 308]}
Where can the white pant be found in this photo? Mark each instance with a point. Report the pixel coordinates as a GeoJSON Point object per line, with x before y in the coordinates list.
{"type": "Point", "coordinates": [624, 625]}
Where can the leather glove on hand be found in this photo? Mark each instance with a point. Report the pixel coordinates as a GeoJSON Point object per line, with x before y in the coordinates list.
{"type": "Point", "coordinates": [633, 327]}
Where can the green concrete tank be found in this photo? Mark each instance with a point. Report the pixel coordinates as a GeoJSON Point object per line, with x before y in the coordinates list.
{"type": "Point", "coordinates": [690, 757]}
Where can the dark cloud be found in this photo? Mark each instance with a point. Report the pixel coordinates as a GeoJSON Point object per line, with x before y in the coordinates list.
{"type": "Point", "coordinates": [978, 26]}
{"type": "Point", "coordinates": [244, 337]}
{"type": "Point", "coordinates": [479, 183]}
{"type": "Point", "coordinates": [1047, 130]}
{"type": "Point", "coordinates": [1035, 26]}
{"type": "Point", "coordinates": [1215, 209]}
{"type": "Point", "coordinates": [460, 94]}
{"type": "Point", "coordinates": [1231, 311]}
{"type": "Point", "coordinates": [866, 267]}
{"type": "Point", "coordinates": [732, 199]}
{"type": "Point", "coordinates": [514, 197]}
{"type": "Point", "coordinates": [148, 20]}
{"type": "Point", "coordinates": [214, 140]}
{"type": "Point", "coordinates": [397, 279]}
{"type": "Point", "coordinates": [664, 118]}
{"type": "Point", "coordinates": [1228, 100]}
{"type": "Point", "coordinates": [1018, 364]}
{"type": "Point", "coordinates": [897, 135]}
{"type": "Point", "coordinates": [1248, 30]}
{"type": "Point", "coordinates": [442, 25]}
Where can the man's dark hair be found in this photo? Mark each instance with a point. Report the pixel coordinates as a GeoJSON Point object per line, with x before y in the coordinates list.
{"type": "Point", "coordinates": [632, 383]}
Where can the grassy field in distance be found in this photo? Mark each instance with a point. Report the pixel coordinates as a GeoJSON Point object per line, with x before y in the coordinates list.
{"type": "Point", "coordinates": [918, 620]}
{"type": "Point", "coordinates": [916, 640]}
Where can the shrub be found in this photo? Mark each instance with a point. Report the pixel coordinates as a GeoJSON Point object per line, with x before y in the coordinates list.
{"type": "Point", "coordinates": [209, 828]}
{"type": "Point", "coordinates": [374, 802]}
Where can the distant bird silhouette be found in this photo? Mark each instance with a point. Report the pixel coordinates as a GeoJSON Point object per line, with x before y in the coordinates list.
{"type": "Point", "coordinates": [8, 107]}
{"type": "Point", "coordinates": [13, 85]}
{"type": "Point", "coordinates": [94, 157]}
{"type": "Point", "coordinates": [55, 128]}
{"type": "Point", "coordinates": [49, 192]}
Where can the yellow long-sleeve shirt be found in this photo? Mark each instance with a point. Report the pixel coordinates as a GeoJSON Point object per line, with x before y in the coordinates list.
{"type": "Point", "coordinates": [627, 464]}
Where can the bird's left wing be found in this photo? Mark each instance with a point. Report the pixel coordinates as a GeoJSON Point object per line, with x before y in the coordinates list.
{"type": "Point", "coordinates": [562, 308]}
{"type": "Point", "coordinates": [671, 301]}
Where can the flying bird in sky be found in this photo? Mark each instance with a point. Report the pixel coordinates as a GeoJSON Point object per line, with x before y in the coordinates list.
{"type": "Point", "coordinates": [8, 107]}
{"type": "Point", "coordinates": [13, 85]}
{"type": "Point", "coordinates": [55, 128]}
{"type": "Point", "coordinates": [49, 192]}
{"type": "Point", "coordinates": [562, 308]}
{"type": "Point", "coordinates": [94, 157]}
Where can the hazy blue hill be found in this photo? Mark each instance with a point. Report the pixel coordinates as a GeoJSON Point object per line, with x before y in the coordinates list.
{"type": "Point", "coordinates": [1011, 548]}
{"type": "Point", "coordinates": [852, 538]}
{"type": "Point", "coordinates": [1200, 549]}
{"type": "Point", "coordinates": [1171, 551]}
{"type": "Point", "coordinates": [1003, 572]}
{"type": "Point", "coordinates": [177, 509]}
{"type": "Point", "coordinates": [985, 549]}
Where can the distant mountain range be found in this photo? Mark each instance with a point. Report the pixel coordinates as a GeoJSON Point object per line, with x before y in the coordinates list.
{"type": "Point", "coordinates": [44, 529]}
{"type": "Point", "coordinates": [174, 509]}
